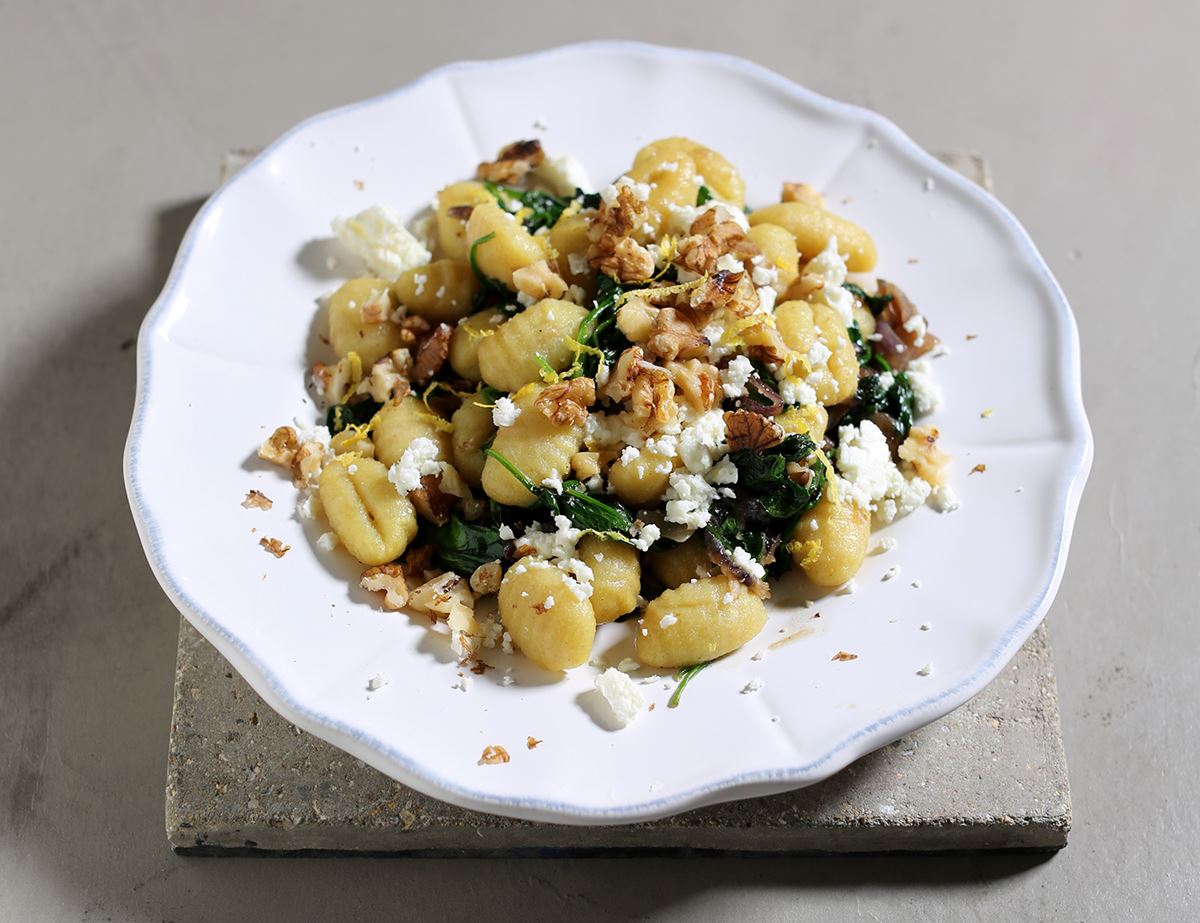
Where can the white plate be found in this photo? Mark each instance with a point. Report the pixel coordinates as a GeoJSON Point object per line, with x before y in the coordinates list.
{"type": "Point", "coordinates": [222, 358]}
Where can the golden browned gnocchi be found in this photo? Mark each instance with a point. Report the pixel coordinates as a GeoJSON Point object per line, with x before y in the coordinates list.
{"type": "Point", "coordinates": [590, 395]}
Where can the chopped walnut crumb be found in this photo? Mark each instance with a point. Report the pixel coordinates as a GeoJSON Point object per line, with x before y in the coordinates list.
{"type": "Point", "coordinates": [461, 212]}
{"type": "Point", "coordinates": [512, 163]}
{"type": "Point", "coordinates": [723, 289]}
{"type": "Point", "coordinates": [567, 402]}
{"type": "Point", "coordinates": [748, 430]}
{"type": "Point", "coordinates": [531, 742]}
{"type": "Point", "coordinates": [843, 656]}
{"type": "Point", "coordinates": [539, 281]}
{"type": "Point", "coordinates": [377, 307]}
{"type": "Point", "coordinates": [493, 755]}
{"type": "Point", "coordinates": [802, 192]}
{"type": "Point", "coordinates": [486, 578]}
{"type": "Point", "coordinates": [388, 377]}
{"type": "Point", "coordinates": [698, 382]}
{"type": "Point", "coordinates": [673, 336]}
{"type": "Point", "coordinates": [921, 450]}
{"type": "Point", "coordinates": [418, 561]}
{"type": "Point", "coordinates": [280, 447]}
{"type": "Point", "coordinates": [978, 469]}
{"type": "Point", "coordinates": [432, 353]}
{"type": "Point", "coordinates": [257, 500]}
{"type": "Point", "coordinates": [412, 329]}
{"type": "Point", "coordinates": [389, 580]}
{"type": "Point", "coordinates": [275, 546]}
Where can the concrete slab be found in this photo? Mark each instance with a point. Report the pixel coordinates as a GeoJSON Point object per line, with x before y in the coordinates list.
{"type": "Point", "coordinates": [991, 775]}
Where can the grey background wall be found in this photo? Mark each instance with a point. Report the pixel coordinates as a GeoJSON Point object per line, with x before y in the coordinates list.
{"type": "Point", "coordinates": [114, 115]}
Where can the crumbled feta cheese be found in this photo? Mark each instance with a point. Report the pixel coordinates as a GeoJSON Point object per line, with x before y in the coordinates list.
{"type": "Point", "coordinates": [328, 541]}
{"type": "Point", "coordinates": [886, 380]}
{"type": "Point", "coordinates": [506, 643]}
{"type": "Point", "coordinates": [667, 620]}
{"type": "Point", "coordinates": [418, 460]}
{"type": "Point", "coordinates": [831, 267]}
{"type": "Point", "coordinates": [763, 275]}
{"type": "Point", "coordinates": [891, 573]}
{"type": "Point", "coordinates": [505, 412]}
{"type": "Point", "coordinates": [557, 549]}
{"type": "Point", "coordinates": [758, 655]}
{"type": "Point", "coordinates": [609, 193]}
{"type": "Point", "coordinates": [925, 670]}
{"type": "Point", "coordinates": [703, 441]}
{"type": "Point", "coordinates": [628, 665]}
{"type": "Point", "coordinates": [645, 535]}
{"type": "Point", "coordinates": [735, 376]}
{"type": "Point", "coordinates": [380, 238]}
{"type": "Point", "coordinates": [727, 599]}
{"type": "Point", "coordinates": [463, 684]}
{"type": "Point", "coordinates": [622, 695]}
{"type": "Point", "coordinates": [916, 584]}
{"type": "Point", "coordinates": [506, 533]}
{"type": "Point", "coordinates": [797, 391]}
{"type": "Point", "coordinates": [818, 356]}
{"type": "Point", "coordinates": [868, 477]}
{"type": "Point", "coordinates": [729, 263]}
{"type": "Point", "coordinates": [688, 498]}
{"type": "Point", "coordinates": [944, 499]}
{"type": "Point", "coordinates": [548, 603]}
{"type": "Point", "coordinates": [926, 626]}
{"type": "Point", "coordinates": [378, 681]}
{"type": "Point", "coordinates": [745, 560]}
{"type": "Point", "coordinates": [525, 300]}
{"type": "Point", "coordinates": [917, 324]}
{"type": "Point", "coordinates": [420, 279]}
{"type": "Point", "coordinates": [554, 483]}
{"type": "Point", "coordinates": [887, 543]}
{"type": "Point", "coordinates": [849, 588]}
{"type": "Point", "coordinates": [927, 393]}
{"type": "Point", "coordinates": [630, 454]}
{"type": "Point", "coordinates": [766, 300]}
{"type": "Point", "coordinates": [927, 185]}
{"type": "Point", "coordinates": [723, 472]}
{"type": "Point", "coordinates": [753, 686]}
{"type": "Point", "coordinates": [506, 680]}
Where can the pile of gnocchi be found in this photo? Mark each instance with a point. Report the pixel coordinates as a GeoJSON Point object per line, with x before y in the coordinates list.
{"type": "Point", "coordinates": [641, 403]}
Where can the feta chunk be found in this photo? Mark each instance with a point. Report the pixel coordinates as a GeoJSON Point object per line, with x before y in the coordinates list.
{"type": "Point", "coordinates": [621, 695]}
{"type": "Point", "coordinates": [379, 237]}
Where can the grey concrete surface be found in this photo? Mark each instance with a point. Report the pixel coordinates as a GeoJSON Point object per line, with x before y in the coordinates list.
{"type": "Point", "coordinates": [990, 775]}
{"type": "Point", "coordinates": [114, 114]}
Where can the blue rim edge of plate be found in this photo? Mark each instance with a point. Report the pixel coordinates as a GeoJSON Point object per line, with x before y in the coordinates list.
{"type": "Point", "coordinates": [870, 737]}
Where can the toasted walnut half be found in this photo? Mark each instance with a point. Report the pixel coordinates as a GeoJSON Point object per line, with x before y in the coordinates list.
{"type": "Point", "coordinates": [709, 239]}
{"type": "Point", "coordinates": [389, 580]}
{"type": "Point", "coordinates": [539, 281]}
{"type": "Point", "coordinates": [629, 261]}
{"type": "Point", "coordinates": [747, 430]}
{"type": "Point", "coordinates": [673, 336]}
{"type": "Point", "coordinates": [512, 163]}
{"type": "Point", "coordinates": [280, 447]}
{"type": "Point", "coordinates": [723, 289]}
{"type": "Point", "coordinates": [567, 402]}
{"type": "Point", "coordinates": [646, 389]}
{"type": "Point", "coordinates": [613, 249]}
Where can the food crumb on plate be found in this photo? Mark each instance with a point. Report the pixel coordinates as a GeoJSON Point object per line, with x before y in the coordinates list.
{"type": "Point", "coordinates": [531, 743]}
{"type": "Point", "coordinates": [493, 755]}
{"type": "Point", "coordinates": [378, 681]}
{"type": "Point", "coordinates": [843, 656]}
{"type": "Point", "coordinates": [891, 573]}
{"type": "Point", "coordinates": [275, 546]}
{"type": "Point", "coordinates": [753, 686]}
{"type": "Point", "coordinates": [257, 500]}
{"type": "Point", "coordinates": [925, 670]}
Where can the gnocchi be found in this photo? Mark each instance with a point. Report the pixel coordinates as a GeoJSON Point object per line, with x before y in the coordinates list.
{"type": "Point", "coordinates": [590, 397]}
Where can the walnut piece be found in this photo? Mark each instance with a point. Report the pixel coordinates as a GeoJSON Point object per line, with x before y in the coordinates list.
{"type": "Point", "coordinates": [802, 192]}
{"type": "Point", "coordinates": [430, 501]}
{"type": "Point", "coordinates": [612, 248]}
{"type": "Point", "coordinates": [432, 353]}
{"type": "Point", "coordinates": [748, 430]}
{"type": "Point", "coordinates": [921, 450]}
{"type": "Point", "coordinates": [512, 163]}
{"type": "Point", "coordinates": [280, 447]}
{"type": "Point", "coordinates": [486, 578]}
{"type": "Point", "coordinates": [389, 580]}
{"type": "Point", "coordinates": [538, 281]}
{"type": "Point", "coordinates": [257, 500]}
{"type": "Point", "coordinates": [646, 389]}
{"type": "Point", "coordinates": [388, 377]}
{"type": "Point", "coordinates": [412, 329]}
{"type": "Point", "coordinates": [449, 595]}
{"type": "Point", "coordinates": [275, 546]}
{"type": "Point", "coordinates": [843, 656]}
{"type": "Point", "coordinates": [308, 464]}
{"type": "Point", "coordinates": [493, 755]}
{"type": "Point", "coordinates": [723, 289]}
{"type": "Point", "coordinates": [698, 382]}
{"type": "Point", "coordinates": [377, 307]}
{"type": "Point", "coordinates": [673, 336]}
{"type": "Point", "coordinates": [566, 402]}
{"type": "Point", "coordinates": [531, 743]}
{"type": "Point", "coordinates": [710, 238]}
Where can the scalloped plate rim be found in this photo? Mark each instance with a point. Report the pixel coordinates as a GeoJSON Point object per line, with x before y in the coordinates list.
{"type": "Point", "coordinates": [863, 740]}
